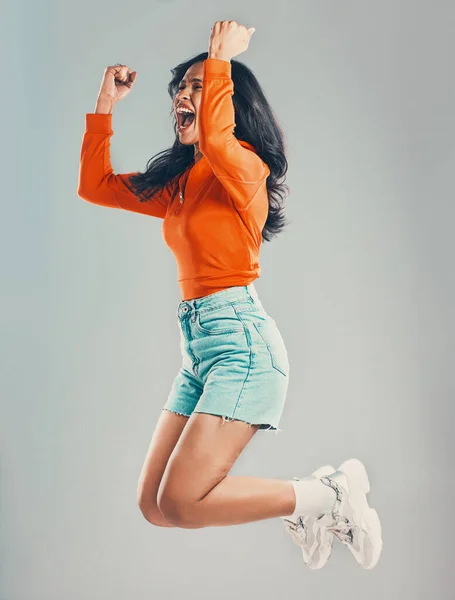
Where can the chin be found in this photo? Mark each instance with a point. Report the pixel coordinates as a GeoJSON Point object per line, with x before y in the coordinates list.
{"type": "Point", "coordinates": [188, 141]}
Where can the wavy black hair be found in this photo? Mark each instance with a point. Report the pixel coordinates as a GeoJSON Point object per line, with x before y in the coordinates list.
{"type": "Point", "coordinates": [255, 123]}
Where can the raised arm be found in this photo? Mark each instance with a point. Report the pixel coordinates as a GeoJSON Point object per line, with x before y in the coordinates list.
{"type": "Point", "coordinates": [240, 170]}
{"type": "Point", "coordinates": [97, 182]}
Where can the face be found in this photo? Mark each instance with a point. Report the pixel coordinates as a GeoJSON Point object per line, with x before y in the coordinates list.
{"type": "Point", "coordinates": [189, 94]}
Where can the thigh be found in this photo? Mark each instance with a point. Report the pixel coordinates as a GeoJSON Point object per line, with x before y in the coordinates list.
{"type": "Point", "coordinates": [166, 435]}
{"type": "Point", "coordinates": [204, 454]}
{"type": "Point", "coordinates": [184, 395]}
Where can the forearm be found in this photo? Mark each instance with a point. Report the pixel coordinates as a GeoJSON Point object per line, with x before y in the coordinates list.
{"type": "Point", "coordinates": [104, 105]}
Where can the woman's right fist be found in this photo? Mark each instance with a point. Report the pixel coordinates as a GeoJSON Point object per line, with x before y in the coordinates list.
{"type": "Point", "coordinates": [117, 82]}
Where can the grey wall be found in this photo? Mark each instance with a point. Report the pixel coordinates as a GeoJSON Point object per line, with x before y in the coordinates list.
{"type": "Point", "coordinates": [361, 285]}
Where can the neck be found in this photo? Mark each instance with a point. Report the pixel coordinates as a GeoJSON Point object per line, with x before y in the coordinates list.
{"type": "Point", "coordinates": [197, 152]}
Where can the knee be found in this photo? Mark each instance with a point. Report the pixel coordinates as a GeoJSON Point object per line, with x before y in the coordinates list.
{"type": "Point", "coordinates": [178, 511]}
{"type": "Point", "coordinates": [152, 514]}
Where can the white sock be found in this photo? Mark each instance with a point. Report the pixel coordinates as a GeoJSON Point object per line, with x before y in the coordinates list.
{"type": "Point", "coordinates": [312, 498]}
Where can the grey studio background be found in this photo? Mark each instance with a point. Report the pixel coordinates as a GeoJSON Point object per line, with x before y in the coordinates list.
{"type": "Point", "coordinates": [361, 285]}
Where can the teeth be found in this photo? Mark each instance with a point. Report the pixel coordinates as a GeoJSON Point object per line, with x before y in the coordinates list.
{"type": "Point", "coordinates": [183, 110]}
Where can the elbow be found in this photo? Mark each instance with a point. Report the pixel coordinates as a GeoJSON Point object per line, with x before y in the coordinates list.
{"type": "Point", "coordinates": [98, 196]}
{"type": "Point", "coordinates": [83, 194]}
{"type": "Point", "coordinates": [87, 191]}
{"type": "Point", "coordinates": [87, 195]}
{"type": "Point", "coordinates": [80, 192]}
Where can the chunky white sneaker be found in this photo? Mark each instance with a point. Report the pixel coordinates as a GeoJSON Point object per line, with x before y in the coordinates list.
{"type": "Point", "coordinates": [355, 524]}
{"type": "Point", "coordinates": [310, 533]}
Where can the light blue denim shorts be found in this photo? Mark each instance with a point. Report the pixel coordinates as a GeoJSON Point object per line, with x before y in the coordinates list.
{"type": "Point", "coordinates": [234, 360]}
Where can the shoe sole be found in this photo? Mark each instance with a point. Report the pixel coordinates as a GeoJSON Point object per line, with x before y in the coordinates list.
{"type": "Point", "coordinates": [368, 517]}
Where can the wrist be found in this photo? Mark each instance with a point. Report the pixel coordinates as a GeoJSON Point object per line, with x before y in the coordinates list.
{"type": "Point", "coordinates": [219, 56]}
{"type": "Point", "coordinates": [104, 104]}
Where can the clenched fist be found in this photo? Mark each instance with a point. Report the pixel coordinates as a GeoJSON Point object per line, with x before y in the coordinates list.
{"type": "Point", "coordinates": [117, 83]}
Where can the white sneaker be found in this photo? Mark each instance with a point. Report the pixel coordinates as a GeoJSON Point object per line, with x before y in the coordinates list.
{"type": "Point", "coordinates": [355, 524]}
{"type": "Point", "coordinates": [310, 533]}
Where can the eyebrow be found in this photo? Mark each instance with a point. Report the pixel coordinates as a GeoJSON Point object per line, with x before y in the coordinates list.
{"type": "Point", "coordinates": [194, 79]}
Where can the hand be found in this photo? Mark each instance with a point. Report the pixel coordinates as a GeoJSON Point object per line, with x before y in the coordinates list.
{"type": "Point", "coordinates": [228, 39]}
{"type": "Point", "coordinates": [117, 83]}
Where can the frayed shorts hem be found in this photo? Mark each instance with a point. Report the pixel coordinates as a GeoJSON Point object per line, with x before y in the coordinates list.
{"type": "Point", "coordinates": [262, 426]}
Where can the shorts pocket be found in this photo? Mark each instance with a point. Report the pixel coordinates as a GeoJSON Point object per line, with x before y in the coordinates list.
{"type": "Point", "coordinates": [219, 320]}
{"type": "Point", "coordinates": [272, 338]}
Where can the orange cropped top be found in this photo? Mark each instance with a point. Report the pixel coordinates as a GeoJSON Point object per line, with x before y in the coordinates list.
{"type": "Point", "coordinates": [215, 233]}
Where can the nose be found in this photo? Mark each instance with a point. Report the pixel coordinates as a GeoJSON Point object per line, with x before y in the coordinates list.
{"type": "Point", "coordinates": [181, 96]}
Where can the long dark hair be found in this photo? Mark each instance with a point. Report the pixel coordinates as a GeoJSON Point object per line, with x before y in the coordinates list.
{"type": "Point", "coordinates": [255, 123]}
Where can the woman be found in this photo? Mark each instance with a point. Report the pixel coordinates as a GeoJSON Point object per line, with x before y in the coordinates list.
{"type": "Point", "coordinates": [218, 195]}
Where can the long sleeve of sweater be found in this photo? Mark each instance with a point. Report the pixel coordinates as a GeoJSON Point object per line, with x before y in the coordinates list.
{"type": "Point", "coordinates": [99, 184]}
{"type": "Point", "coordinates": [239, 169]}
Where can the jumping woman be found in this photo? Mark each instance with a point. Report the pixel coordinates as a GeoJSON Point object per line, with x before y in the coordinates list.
{"type": "Point", "coordinates": [217, 190]}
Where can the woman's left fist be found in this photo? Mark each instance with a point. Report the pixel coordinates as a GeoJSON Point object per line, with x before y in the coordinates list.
{"type": "Point", "coordinates": [228, 39]}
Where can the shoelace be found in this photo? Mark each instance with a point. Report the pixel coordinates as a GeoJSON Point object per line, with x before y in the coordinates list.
{"type": "Point", "coordinates": [298, 531]}
{"type": "Point", "coordinates": [343, 529]}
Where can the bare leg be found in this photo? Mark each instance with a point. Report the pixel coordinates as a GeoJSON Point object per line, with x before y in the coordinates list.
{"type": "Point", "coordinates": [167, 432]}
{"type": "Point", "coordinates": [195, 490]}
{"type": "Point", "coordinates": [236, 499]}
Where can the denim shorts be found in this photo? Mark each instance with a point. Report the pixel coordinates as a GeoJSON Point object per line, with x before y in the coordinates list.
{"type": "Point", "coordinates": [234, 360]}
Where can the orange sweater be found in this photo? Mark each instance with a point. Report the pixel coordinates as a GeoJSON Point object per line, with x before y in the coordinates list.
{"type": "Point", "coordinates": [216, 233]}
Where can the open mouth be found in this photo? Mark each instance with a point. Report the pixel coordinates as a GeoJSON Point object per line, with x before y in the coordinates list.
{"type": "Point", "coordinates": [184, 120]}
